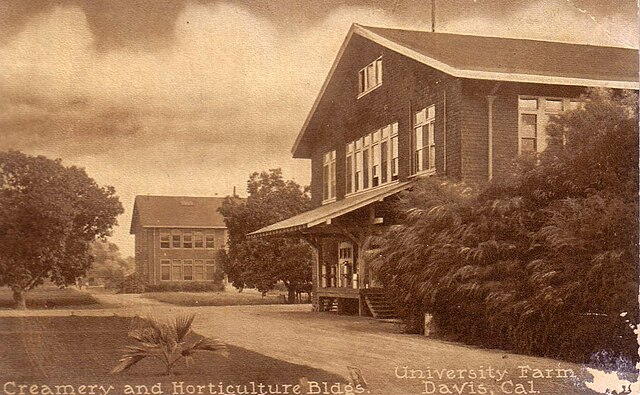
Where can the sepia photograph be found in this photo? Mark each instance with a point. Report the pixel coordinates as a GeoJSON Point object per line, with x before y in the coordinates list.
{"type": "Point", "coordinates": [319, 197]}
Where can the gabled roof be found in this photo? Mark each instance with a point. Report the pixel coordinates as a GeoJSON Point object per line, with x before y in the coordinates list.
{"type": "Point", "coordinates": [327, 212]}
{"type": "Point", "coordinates": [501, 59]}
{"type": "Point", "coordinates": [176, 211]}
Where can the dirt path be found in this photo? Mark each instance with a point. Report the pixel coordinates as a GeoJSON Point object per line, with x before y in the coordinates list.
{"type": "Point", "coordinates": [335, 343]}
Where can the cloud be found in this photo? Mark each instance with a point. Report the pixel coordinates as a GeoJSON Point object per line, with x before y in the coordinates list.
{"type": "Point", "coordinates": [191, 97]}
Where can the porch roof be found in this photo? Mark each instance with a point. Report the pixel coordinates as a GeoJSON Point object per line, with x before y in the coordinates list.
{"type": "Point", "coordinates": [329, 211]}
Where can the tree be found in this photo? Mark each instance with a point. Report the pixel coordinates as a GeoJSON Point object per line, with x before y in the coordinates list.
{"type": "Point", "coordinates": [262, 262]}
{"type": "Point", "coordinates": [109, 264]}
{"type": "Point", "coordinates": [544, 261]}
{"type": "Point", "coordinates": [49, 215]}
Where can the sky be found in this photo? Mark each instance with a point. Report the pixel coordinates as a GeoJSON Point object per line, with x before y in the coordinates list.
{"type": "Point", "coordinates": [189, 97]}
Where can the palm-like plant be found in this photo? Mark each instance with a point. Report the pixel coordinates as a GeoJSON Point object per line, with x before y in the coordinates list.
{"type": "Point", "coordinates": [166, 342]}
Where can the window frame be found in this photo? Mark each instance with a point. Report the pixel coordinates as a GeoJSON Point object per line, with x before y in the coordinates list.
{"type": "Point", "coordinates": [542, 114]}
{"type": "Point", "coordinates": [364, 78]}
{"type": "Point", "coordinates": [187, 264]}
{"type": "Point", "coordinates": [187, 235]}
{"type": "Point", "coordinates": [166, 233]}
{"type": "Point", "coordinates": [427, 129]}
{"type": "Point", "coordinates": [210, 268]}
{"type": "Point", "coordinates": [165, 264]}
{"type": "Point", "coordinates": [198, 234]}
{"type": "Point", "coordinates": [329, 176]}
{"type": "Point", "coordinates": [176, 243]}
{"type": "Point", "coordinates": [213, 240]}
{"type": "Point", "coordinates": [367, 158]}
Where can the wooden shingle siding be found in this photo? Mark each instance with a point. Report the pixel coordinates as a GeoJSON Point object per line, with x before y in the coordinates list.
{"type": "Point", "coordinates": [407, 86]}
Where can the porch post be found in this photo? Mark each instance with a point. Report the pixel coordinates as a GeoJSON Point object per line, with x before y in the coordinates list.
{"type": "Point", "coordinates": [316, 253]}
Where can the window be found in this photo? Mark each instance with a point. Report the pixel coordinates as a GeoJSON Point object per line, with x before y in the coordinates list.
{"type": "Point", "coordinates": [187, 270]}
{"type": "Point", "coordinates": [424, 151]}
{"type": "Point", "coordinates": [187, 240]}
{"type": "Point", "coordinates": [209, 240]}
{"type": "Point", "coordinates": [176, 269]}
{"type": "Point", "coordinates": [198, 270]}
{"type": "Point", "coordinates": [198, 240]}
{"type": "Point", "coordinates": [370, 77]}
{"type": "Point", "coordinates": [165, 270]}
{"type": "Point", "coordinates": [175, 239]}
{"type": "Point", "coordinates": [534, 114]}
{"type": "Point", "coordinates": [165, 239]}
{"type": "Point", "coordinates": [372, 160]}
{"type": "Point", "coordinates": [210, 269]}
{"type": "Point", "coordinates": [329, 175]}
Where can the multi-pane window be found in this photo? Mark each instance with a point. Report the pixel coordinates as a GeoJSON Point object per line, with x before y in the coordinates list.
{"type": "Point", "coordinates": [534, 114]}
{"type": "Point", "coordinates": [198, 270]}
{"type": "Point", "coordinates": [424, 146]}
{"type": "Point", "coordinates": [329, 175]}
{"type": "Point", "coordinates": [176, 269]}
{"type": "Point", "coordinates": [187, 240]}
{"type": "Point", "coordinates": [372, 160]}
{"type": "Point", "coordinates": [210, 269]}
{"type": "Point", "coordinates": [187, 270]}
{"type": "Point", "coordinates": [198, 240]}
{"type": "Point", "coordinates": [209, 240]}
{"type": "Point", "coordinates": [179, 238]}
{"type": "Point", "coordinates": [175, 239]}
{"type": "Point", "coordinates": [165, 270]}
{"type": "Point", "coordinates": [370, 77]}
{"type": "Point", "coordinates": [165, 239]}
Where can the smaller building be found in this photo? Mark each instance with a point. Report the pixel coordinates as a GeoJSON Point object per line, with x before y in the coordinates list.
{"type": "Point", "coordinates": [178, 238]}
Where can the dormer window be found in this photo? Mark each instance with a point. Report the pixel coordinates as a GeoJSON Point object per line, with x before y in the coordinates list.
{"type": "Point", "coordinates": [370, 77]}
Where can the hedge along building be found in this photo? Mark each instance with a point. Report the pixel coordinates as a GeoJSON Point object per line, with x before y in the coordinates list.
{"type": "Point", "coordinates": [398, 105]}
{"type": "Point", "coordinates": [178, 239]}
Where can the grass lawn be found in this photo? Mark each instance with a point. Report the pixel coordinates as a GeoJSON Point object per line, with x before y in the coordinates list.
{"type": "Point", "coordinates": [49, 297]}
{"type": "Point", "coordinates": [215, 298]}
{"type": "Point", "coordinates": [80, 350]}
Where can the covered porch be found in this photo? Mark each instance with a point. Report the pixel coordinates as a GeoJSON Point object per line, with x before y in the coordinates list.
{"type": "Point", "coordinates": [341, 234]}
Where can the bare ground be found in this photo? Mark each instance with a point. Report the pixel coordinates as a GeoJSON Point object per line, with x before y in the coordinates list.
{"type": "Point", "coordinates": [334, 343]}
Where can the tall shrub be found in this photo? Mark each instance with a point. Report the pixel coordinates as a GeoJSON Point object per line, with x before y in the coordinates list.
{"type": "Point", "coordinates": [544, 261]}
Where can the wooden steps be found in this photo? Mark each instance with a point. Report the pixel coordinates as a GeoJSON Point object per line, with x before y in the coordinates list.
{"type": "Point", "coordinates": [379, 305]}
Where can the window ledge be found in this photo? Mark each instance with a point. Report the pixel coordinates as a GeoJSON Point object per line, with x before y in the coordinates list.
{"type": "Point", "coordinates": [361, 94]}
{"type": "Point", "coordinates": [424, 173]}
{"type": "Point", "coordinates": [328, 201]}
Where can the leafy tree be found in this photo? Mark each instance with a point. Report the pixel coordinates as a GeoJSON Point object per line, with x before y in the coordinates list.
{"type": "Point", "coordinates": [544, 261]}
{"type": "Point", "coordinates": [109, 264]}
{"type": "Point", "coordinates": [49, 215]}
{"type": "Point", "coordinates": [262, 262]}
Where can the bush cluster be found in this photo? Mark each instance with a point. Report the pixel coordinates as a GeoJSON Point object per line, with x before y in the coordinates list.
{"type": "Point", "coordinates": [136, 284]}
{"type": "Point", "coordinates": [132, 284]}
{"type": "Point", "coordinates": [191, 286]}
{"type": "Point", "coordinates": [544, 261]}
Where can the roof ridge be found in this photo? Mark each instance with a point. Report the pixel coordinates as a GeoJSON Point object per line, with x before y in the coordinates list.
{"type": "Point", "coordinates": [494, 37]}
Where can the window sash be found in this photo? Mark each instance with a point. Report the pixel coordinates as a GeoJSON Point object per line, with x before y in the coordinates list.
{"type": "Point", "coordinates": [533, 116]}
{"type": "Point", "coordinates": [209, 240]}
{"type": "Point", "coordinates": [370, 76]}
{"type": "Point", "coordinates": [329, 175]}
{"type": "Point", "coordinates": [165, 239]}
{"type": "Point", "coordinates": [187, 240]}
{"type": "Point", "coordinates": [198, 240]}
{"type": "Point", "coordinates": [424, 151]}
{"type": "Point", "coordinates": [372, 160]}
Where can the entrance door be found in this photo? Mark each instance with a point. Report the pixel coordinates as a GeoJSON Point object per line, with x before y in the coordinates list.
{"type": "Point", "coordinates": [348, 272]}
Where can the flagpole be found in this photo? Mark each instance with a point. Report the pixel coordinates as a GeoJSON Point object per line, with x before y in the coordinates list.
{"type": "Point", "coordinates": [433, 16]}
